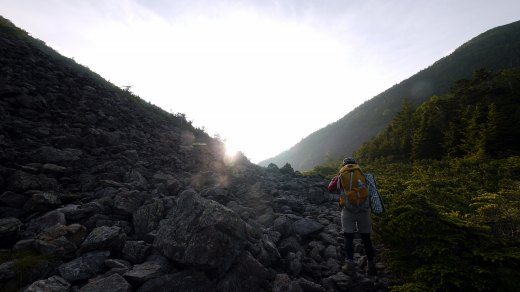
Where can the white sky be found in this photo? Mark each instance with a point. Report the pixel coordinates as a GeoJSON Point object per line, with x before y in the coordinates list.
{"type": "Point", "coordinates": [263, 74]}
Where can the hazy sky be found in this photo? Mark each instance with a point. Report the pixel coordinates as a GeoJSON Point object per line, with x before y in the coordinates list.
{"type": "Point", "coordinates": [263, 74]}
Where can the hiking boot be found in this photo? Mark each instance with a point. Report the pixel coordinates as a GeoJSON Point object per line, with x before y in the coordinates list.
{"type": "Point", "coordinates": [348, 267]}
{"type": "Point", "coordinates": [371, 268]}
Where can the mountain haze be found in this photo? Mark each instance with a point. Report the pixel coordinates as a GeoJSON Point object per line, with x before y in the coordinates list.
{"type": "Point", "coordinates": [495, 49]}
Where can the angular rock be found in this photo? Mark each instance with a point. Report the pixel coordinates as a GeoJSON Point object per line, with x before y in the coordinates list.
{"type": "Point", "coordinates": [48, 220]}
{"type": "Point", "coordinates": [147, 217]}
{"type": "Point", "coordinates": [309, 286]}
{"type": "Point", "coordinates": [126, 203]}
{"type": "Point", "coordinates": [283, 283]}
{"type": "Point", "coordinates": [113, 283]}
{"type": "Point", "coordinates": [283, 225]}
{"type": "Point", "coordinates": [7, 271]}
{"type": "Point", "coordinates": [84, 267]}
{"type": "Point", "coordinates": [9, 229]}
{"type": "Point", "coordinates": [247, 274]}
{"type": "Point", "coordinates": [330, 252]}
{"type": "Point", "coordinates": [307, 227]}
{"type": "Point", "coordinates": [201, 233]}
{"type": "Point", "coordinates": [104, 237]}
{"type": "Point", "coordinates": [54, 284]}
{"type": "Point", "coordinates": [136, 251]}
{"type": "Point", "coordinates": [290, 244]}
{"type": "Point", "coordinates": [13, 199]}
{"type": "Point", "coordinates": [193, 281]}
{"type": "Point", "coordinates": [42, 201]}
{"type": "Point", "coordinates": [145, 271]}
{"type": "Point", "coordinates": [60, 240]}
{"type": "Point", "coordinates": [21, 181]}
{"type": "Point", "coordinates": [47, 154]}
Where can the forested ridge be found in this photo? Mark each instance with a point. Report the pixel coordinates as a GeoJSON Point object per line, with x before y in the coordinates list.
{"type": "Point", "coordinates": [449, 171]}
{"type": "Point", "coordinates": [496, 49]}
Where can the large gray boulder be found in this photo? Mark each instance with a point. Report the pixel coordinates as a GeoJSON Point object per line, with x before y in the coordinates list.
{"type": "Point", "coordinates": [84, 267]}
{"type": "Point", "coordinates": [147, 217]}
{"type": "Point", "coordinates": [104, 237]}
{"type": "Point", "coordinates": [146, 271]}
{"type": "Point", "coordinates": [113, 283]}
{"type": "Point", "coordinates": [60, 240]}
{"type": "Point", "coordinates": [201, 233]}
{"type": "Point", "coordinates": [193, 281]}
{"type": "Point", "coordinates": [306, 227]}
{"type": "Point", "coordinates": [54, 284]}
{"type": "Point", "coordinates": [247, 274]}
{"type": "Point", "coordinates": [9, 229]}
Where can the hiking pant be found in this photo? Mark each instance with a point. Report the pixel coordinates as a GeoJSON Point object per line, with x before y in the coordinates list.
{"type": "Point", "coordinates": [360, 222]}
{"type": "Point", "coordinates": [350, 220]}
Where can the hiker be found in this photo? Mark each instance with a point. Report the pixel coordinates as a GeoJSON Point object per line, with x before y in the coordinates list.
{"type": "Point", "coordinates": [355, 215]}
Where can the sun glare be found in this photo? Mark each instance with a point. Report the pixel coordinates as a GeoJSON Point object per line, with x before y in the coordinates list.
{"type": "Point", "coordinates": [231, 149]}
{"type": "Point", "coordinates": [228, 73]}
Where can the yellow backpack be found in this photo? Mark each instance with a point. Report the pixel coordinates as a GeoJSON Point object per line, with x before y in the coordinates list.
{"type": "Point", "coordinates": [353, 186]}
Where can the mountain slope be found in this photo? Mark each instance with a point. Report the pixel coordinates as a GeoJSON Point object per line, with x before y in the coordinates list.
{"type": "Point", "coordinates": [495, 49]}
{"type": "Point", "coordinates": [101, 191]}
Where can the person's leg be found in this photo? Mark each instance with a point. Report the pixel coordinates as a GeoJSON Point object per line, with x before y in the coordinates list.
{"type": "Point", "coordinates": [348, 225]}
{"type": "Point", "coordinates": [369, 248]}
{"type": "Point", "coordinates": [365, 229]}
{"type": "Point", "coordinates": [349, 246]}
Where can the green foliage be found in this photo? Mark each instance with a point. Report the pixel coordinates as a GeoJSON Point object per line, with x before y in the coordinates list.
{"type": "Point", "coordinates": [25, 262]}
{"type": "Point", "coordinates": [479, 118]}
{"type": "Point", "coordinates": [287, 169]}
{"type": "Point", "coordinates": [451, 225]}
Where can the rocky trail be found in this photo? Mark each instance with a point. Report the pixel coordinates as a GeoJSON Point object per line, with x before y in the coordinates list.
{"type": "Point", "coordinates": [100, 191]}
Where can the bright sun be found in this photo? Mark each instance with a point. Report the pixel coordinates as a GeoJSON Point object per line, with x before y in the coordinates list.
{"type": "Point", "coordinates": [231, 149]}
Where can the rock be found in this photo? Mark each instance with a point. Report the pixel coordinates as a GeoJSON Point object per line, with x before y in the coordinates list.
{"type": "Point", "coordinates": [7, 271]}
{"type": "Point", "coordinates": [307, 227]}
{"type": "Point", "coordinates": [136, 251]}
{"type": "Point", "coordinates": [283, 225]}
{"type": "Point", "coordinates": [48, 220]}
{"type": "Point", "coordinates": [295, 262]}
{"type": "Point", "coordinates": [78, 212]}
{"type": "Point", "coordinates": [247, 274]}
{"type": "Point", "coordinates": [147, 217]}
{"type": "Point", "coordinates": [341, 280]}
{"type": "Point", "coordinates": [193, 281]}
{"type": "Point", "coordinates": [201, 233]}
{"type": "Point", "coordinates": [13, 199]}
{"type": "Point", "coordinates": [282, 283]}
{"type": "Point", "coordinates": [317, 195]}
{"type": "Point", "coordinates": [126, 203]}
{"type": "Point", "coordinates": [117, 263]}
{"type": "Point", "coordinates": [104, 237]}
{"type": "Point", "coordinates": [290, 244]}
{"type": "Point", "coordinates": [136, 179]}
{"type": "Point", "coordinates": [42, 201]}
{"type": "Point", "coordinates": [9, 229]}
{"type": "Point", "coordinates": [309, 286]}
{"type": "Point", "coordinates": [113, 283]}
{"type": "Point", "coordinates": [53, 168]}
{"type": "Point", "coordinates": [145, 271]}
{"type": "Point", "coordinates": [47, 154]}
{"type": "Point", "coordinates": [54, 284]}
{"type": "Point", "coordinates": [293, 204]}
{"type": "Point", "coordinates": [60, 240]}
{"type": "Point", "coordinates": [21, 181]}
{"type": "Point", "coordinates": [330, 252]}
{"type": "Point", "coordinates": [84, 267]}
